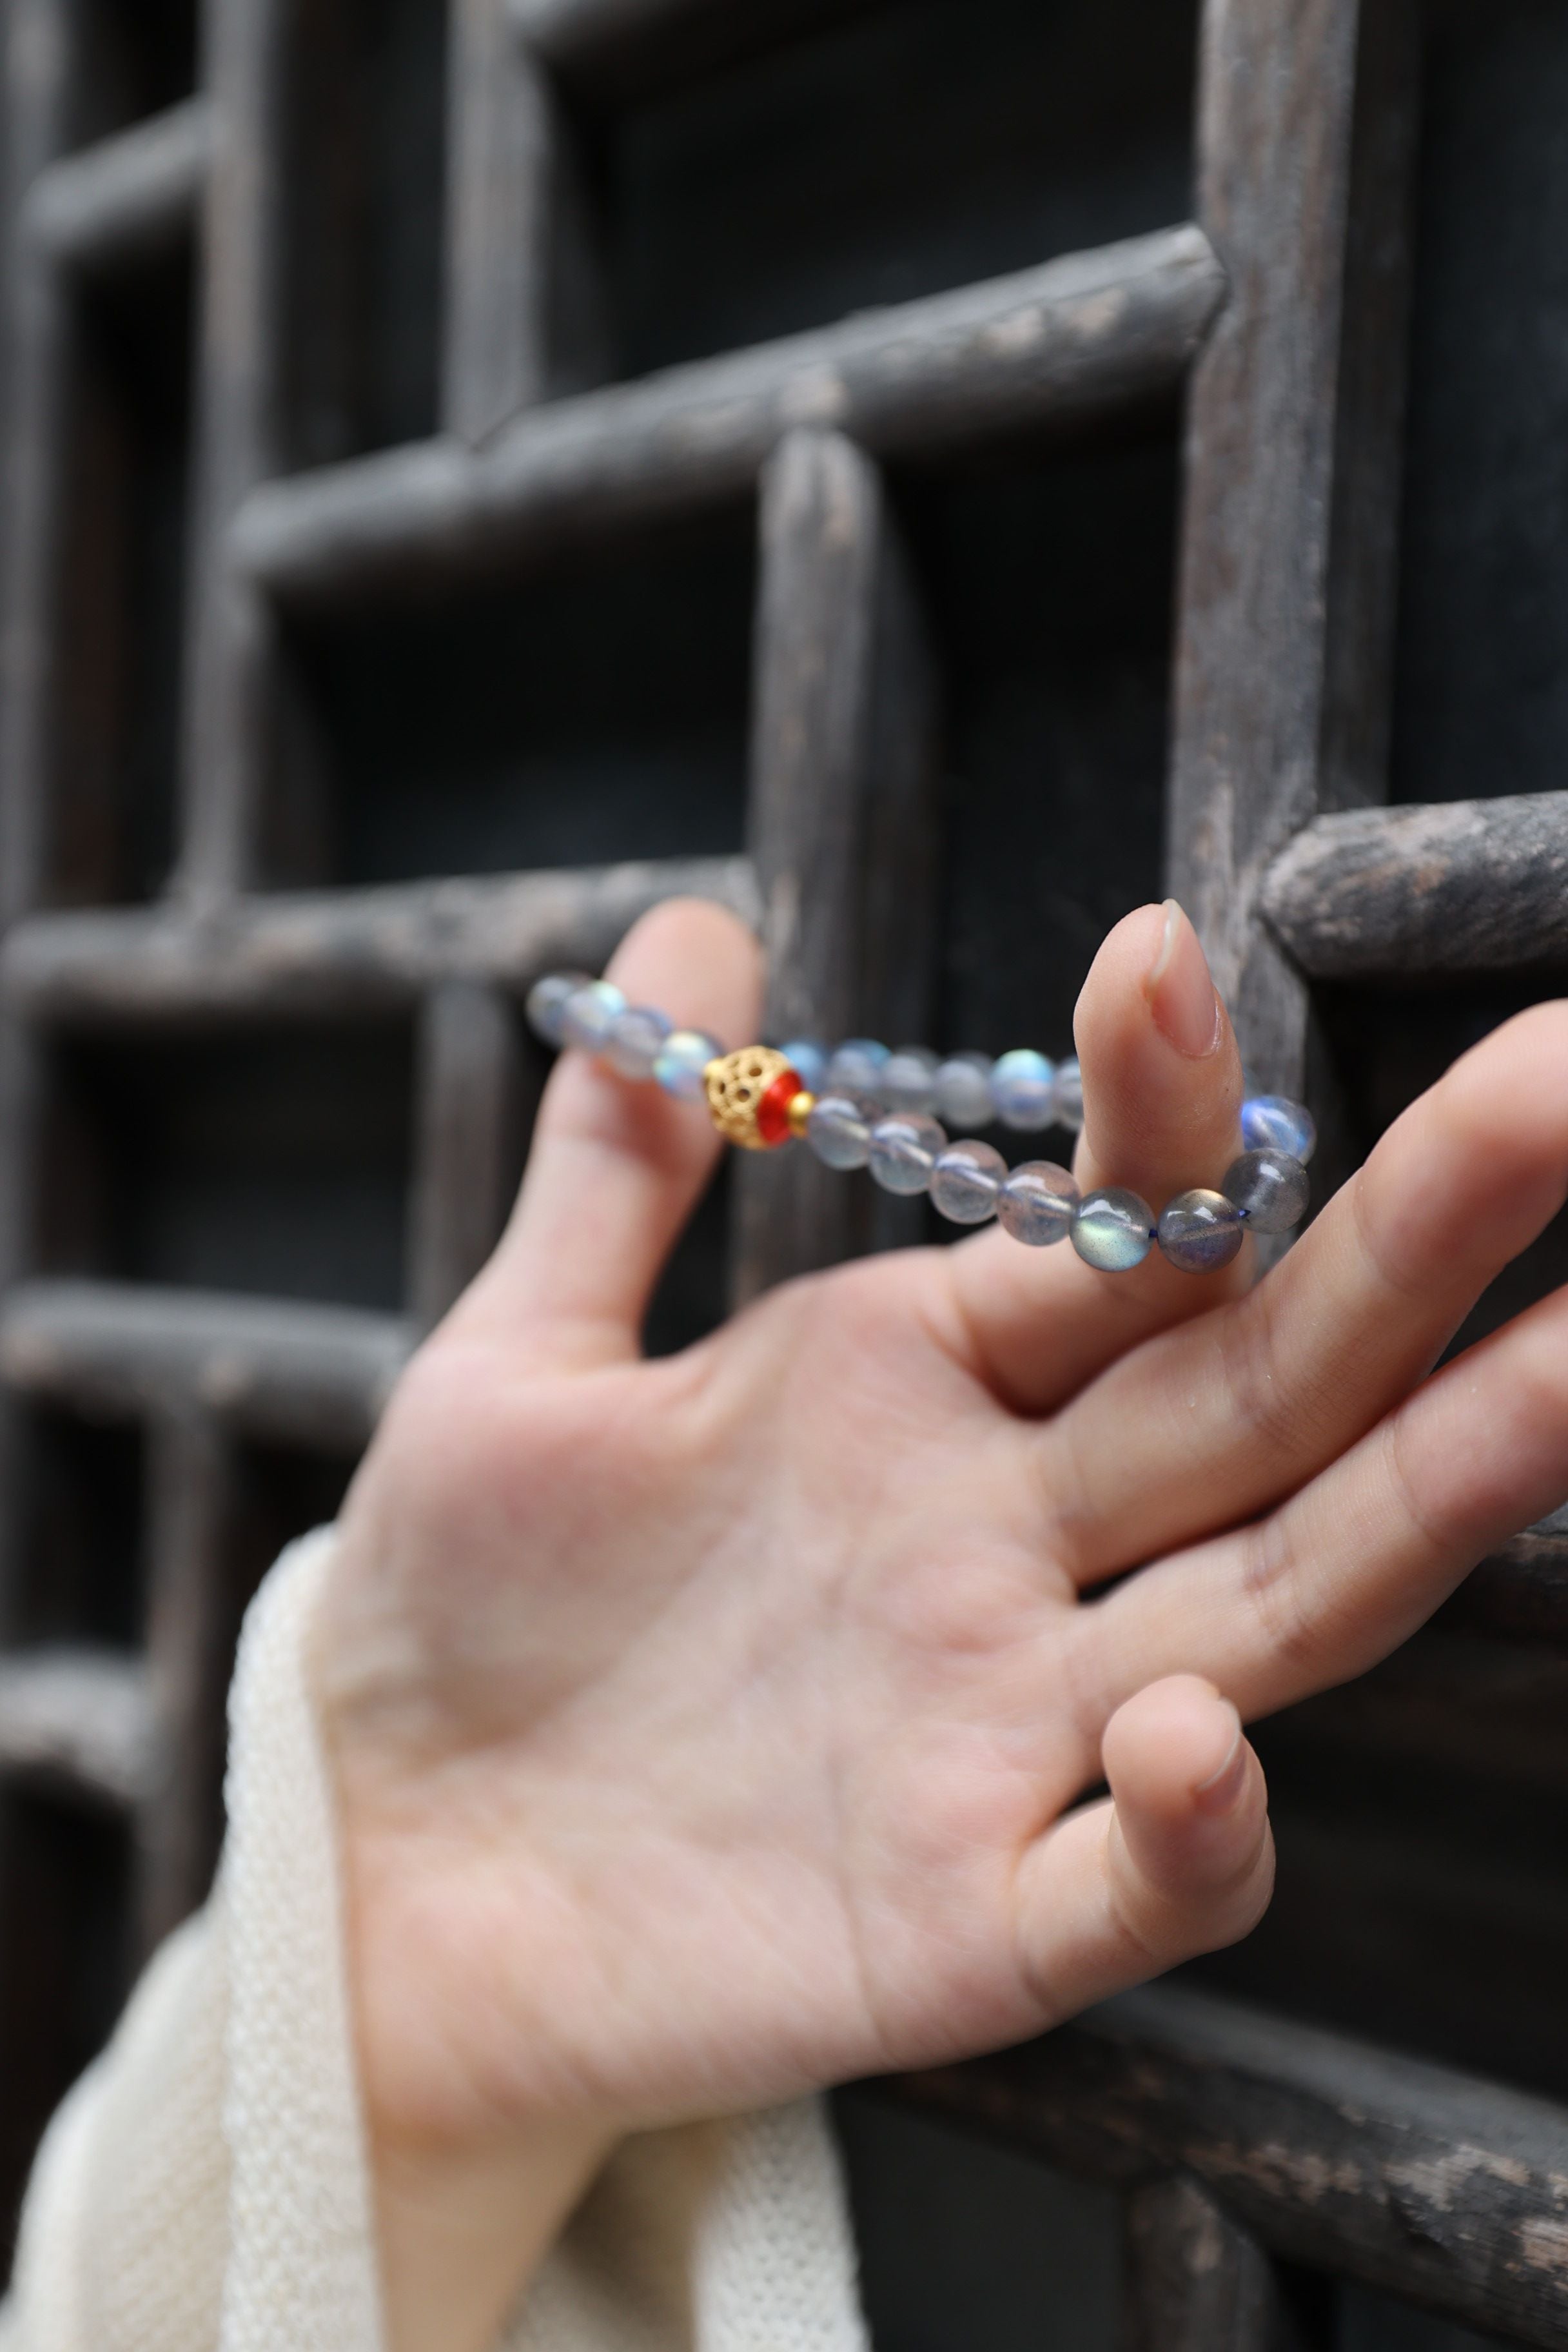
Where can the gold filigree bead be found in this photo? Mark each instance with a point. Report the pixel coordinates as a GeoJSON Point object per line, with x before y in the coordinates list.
{"type": "Point", "coordinates": [748, 1094]}
{"type": "Point", "coordinates": [801, 1107]}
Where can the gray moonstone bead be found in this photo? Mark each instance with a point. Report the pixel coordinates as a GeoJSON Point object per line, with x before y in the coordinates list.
{"type": "Point", "coordinates": [547, 1002]}
{"type": "Point", "coordinates": [1269, 1188]}
{"type": "Point", "coordinates": [904, 1151]}
{"type": "Point", "coordinates": [588, 1012]}
{"type": "Point", "coordinates": [963, 1091]}
{"type": "Point", "coordinates": [1037, 1203]}
{"type": "Point", "coordinates": [1022, 1086]}
{"type": "Point", "coordinates": [634, 1040]}
{"type": "Point", "coordinates": [908, 1081]}
{"type": "Point", "coordinates": [840, 1131]}
{"type": "Point", "coordinates": [1066, 1095]}
{"type": "Point", "coordinates": [1200, 1232]}
{"type": "Point", "coordinates": [1275, 1123]}
{"type": "Point", "coordinates": [682, 1059]}
{"type": "Point", "coordinates": [1113, 1230]}
{"type": "Point", "coordinates": [855, 1068]}
{"type": "Point", "coordinates": [966, 1181]}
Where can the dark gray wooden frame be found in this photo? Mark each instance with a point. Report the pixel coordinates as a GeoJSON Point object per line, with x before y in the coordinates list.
{"type": "Point", "coordinates": [1282, 305]}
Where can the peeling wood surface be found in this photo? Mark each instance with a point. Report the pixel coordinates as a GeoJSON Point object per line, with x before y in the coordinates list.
{"type": "Point", "coordinates": [322, 953]}
{"type": "Point", "coordinates": [310, 1376]}
{"type": "Point", "coordinates": [1411, 893]}
{"type": "Point", "coordinates": [1443, 2188]}
{"type": "Point", "coordinates": [1196, 2282]}
{"type": "Point", "coordinates": [1078, 337]}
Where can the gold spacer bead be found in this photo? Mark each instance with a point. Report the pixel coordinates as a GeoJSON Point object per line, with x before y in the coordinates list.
{"type": "Point", "coordinates": [735, 1086]}
{"type": "Point", "coordinates": [800, 1108]}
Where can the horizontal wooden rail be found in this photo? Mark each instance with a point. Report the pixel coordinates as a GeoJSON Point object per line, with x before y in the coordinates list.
{"type": "Point", "coordinates": [1441, 2188]}
{"type": "Point", "coordinates": [1088, 334]}
{"type": "Point", "coordinates": [326, 953]}
{"type": "Point", "coordinates": [1411, 893]}
{"type": "Point", "coordinates": [80, 1720]}
{"type": "Point", "coordinates": [315, 1377]}
{"type": "Point", "coordinates": [1520, 1592]}
{"type": "Point", "coordinates": [126, 199]}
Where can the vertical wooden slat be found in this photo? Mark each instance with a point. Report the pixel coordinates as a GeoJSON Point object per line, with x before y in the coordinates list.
{"type": "Point", "coordinates": [472, 1086]}
{"type": "Point", "coordinates": [524, 318]}
{"type": "Point", "coordinates": [842, 815]}
{"type": "Point", "coordinates": [229, 636]}
{"type": "Point", "coordinates": [1287, 570]}
{"type": "Point", "coordinates": [1196, 2282]}
{"type": "Point", "coordinates": [193, 1612]}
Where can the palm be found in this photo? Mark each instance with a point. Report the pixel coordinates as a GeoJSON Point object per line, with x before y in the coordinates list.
{"type": "Point", "coordinates": [702, 1725]}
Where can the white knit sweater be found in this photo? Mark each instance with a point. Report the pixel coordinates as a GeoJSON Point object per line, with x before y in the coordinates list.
{"type": "Point", "coordinates": [204, 2188]}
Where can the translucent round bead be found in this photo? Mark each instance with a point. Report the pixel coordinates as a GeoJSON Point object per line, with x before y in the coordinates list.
{"type": "Point", "coordinates": [808, 1060]}
{"type": "Point", "coordinates": [855, 1068]}
{"type": "Point", "coordinates": [682, 1059]}
{"type": "Point", "coordinates": [1200, 1232]}
{"type": "Point", "coordinates": [1067, 1096]}
{"type": "Point", "coordinates": [840, 1131]}
{"type": "Point", "coordinates": [966, 1181]}
{"type": "Point", "coordinates": [1037, 1203]}
{"type": "Point", "coordinates": [547, 1003]}
{"type": "Point", "coordinates": [633, 1040]}
{"type": "Point", "coordinates": [1269, 1189]}
{"type": "Point", "coordinates": [1113, 1230]}
{"type": "Point", "coordinates": [908, 1079]}
{"type": "Point", "coordinates": [1272, 1123]}
{"type": "Point", "coordinates": [904, 1151]}
{"type": "Point", "coordinates": [588, 1013]}
{"type": "Point", "coordinates": [964, 1090]}
{"type": "Point", "coordinates": [1021, 1089]}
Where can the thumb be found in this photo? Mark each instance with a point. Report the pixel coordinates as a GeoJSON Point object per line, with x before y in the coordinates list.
{"type": "Point", "coordinates": [1178, 1860]}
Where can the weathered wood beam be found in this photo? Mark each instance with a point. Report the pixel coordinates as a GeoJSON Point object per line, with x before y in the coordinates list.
{"type": "Point", "coordinates": [477, 1082]}
{"type": "Point", "coordinates": [325, 953]}
{"type": "Point", "coordinates": [1413, 893]}
{"type": "Point", "coordinates": [842, 815]}
{"type": "Point", "coordinates": [1196, 2281]}
{"type": "Point", "coordinates": [1079, 337]}
{"type": "Point", "coordinates": [1306, 143]}
{"type": "Point", "coordinates": [126, 200]}
{"type": "Point", "coordinates": [303, 1375]}
{"type": "Point", "coordinates": [1439, 2187]}
{"type": "Point", "coordinates": [78, 1720]}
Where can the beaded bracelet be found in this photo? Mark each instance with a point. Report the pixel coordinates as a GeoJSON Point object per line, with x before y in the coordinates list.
{"type": "Point", "coordinates": [859, 1106]}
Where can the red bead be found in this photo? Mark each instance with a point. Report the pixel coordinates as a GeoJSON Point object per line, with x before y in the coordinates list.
{"type": "Point", "coordinates": [772, 1110]}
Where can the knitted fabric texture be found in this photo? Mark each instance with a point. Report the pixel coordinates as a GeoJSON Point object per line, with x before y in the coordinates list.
{"type": "Point", "coordinates": [205, 2188]}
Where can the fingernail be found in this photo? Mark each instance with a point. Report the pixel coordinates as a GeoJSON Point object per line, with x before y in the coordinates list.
{"type": "Point", "coordinates": [1181, 990]}
{"type": "Point", "coordinates": [1219, 1792]}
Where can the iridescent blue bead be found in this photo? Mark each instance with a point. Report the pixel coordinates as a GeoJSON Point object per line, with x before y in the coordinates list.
{"type": "Point", "coordinates": [855, 1068]}
{"type": "Point", "coordinates": [1021, 1089]}
{"type": "Point", "coordinates": [908, 1081]}
{"type": "Point", "coordinates": [808, 1060]}
{"type": "Point", "coordinates": [1200, 1232]}
{"type": "Point", "coordinates": [840, 1131]}
{"type": "Point", "coordinates": [904, 1151]}
{"type": "Point", "coordinates": [1113, 1230]}
{"type": "Point", "coordinates": [964, 1090]}
{"type": "Point", "coordinates": [682, 1059]}
{"type": "Point", "coordinates": [1067, 1096]}
{"type": "Point", "coordinates": [547, 1003]}
{"type": "Point", "coordinates": [1037, 1203]}
{"type": "Point", "coordinates": [966, 1181]}
{"type": "Point", "coordinates": [1271, 1189]}
{"type": "Point", "coordinates": [1272, 1123]}
{"type": "Point", "coordinates": [589, 1011]}
{"type": "Point", "coordinates": [633, 1040]}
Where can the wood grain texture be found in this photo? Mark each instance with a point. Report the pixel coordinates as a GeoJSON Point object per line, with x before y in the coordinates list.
{"type": "Point", "coordinates": [1306, 145]}
{"type": "Point", "coordinates": [1079, 337]}
{"type": "Point", "coordinates": [326, 952]}
{"type": "Point", "coordinates": [1437, 2186]}
{"type": "Point", "coordinates": [314, 1377]}
{"type": "Point", "coordinates": [1414, 893]}
{"type": "Point", "coordinates": [477, 1086]}
{"type": "Point", "coordinates": [127, 200]}
{"type": "Point", "coordinates": [1196, 2282]}
{"type": "Point", "coordinates": [78, 1722]}
{"type": "Point", "coordinates": [842, 818]}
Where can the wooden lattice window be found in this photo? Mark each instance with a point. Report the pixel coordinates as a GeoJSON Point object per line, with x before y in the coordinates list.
{"type": "Point", "coordinates": [472, 470]}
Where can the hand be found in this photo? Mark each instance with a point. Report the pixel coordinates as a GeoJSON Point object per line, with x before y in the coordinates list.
{"type": "Point", "coordinates": [714, 1729]}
